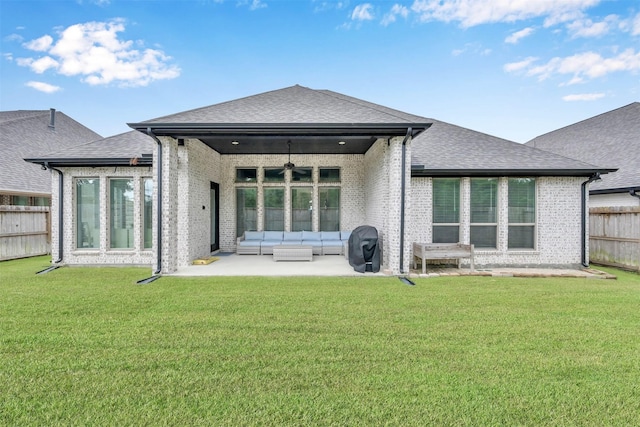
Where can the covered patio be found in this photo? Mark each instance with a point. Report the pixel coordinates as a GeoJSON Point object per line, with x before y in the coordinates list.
{"type": "Point", "coordinates": [231, 264]}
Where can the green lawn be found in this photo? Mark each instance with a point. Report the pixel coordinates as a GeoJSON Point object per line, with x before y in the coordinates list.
{"type": "Point", "coordinates": [86, 346]}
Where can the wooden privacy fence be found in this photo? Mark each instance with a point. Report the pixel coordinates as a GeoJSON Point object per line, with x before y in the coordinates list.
{"type": "Point", "coordinates": [614, 237]}
{"type": "Point", "coordinates": [25, 231]}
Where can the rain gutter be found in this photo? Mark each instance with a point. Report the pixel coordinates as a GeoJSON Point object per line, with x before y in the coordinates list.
{"type": "Point", "coordinates": [60, 210]}
{"type": "Point", "coordinates": [402, 196]}
{"type": "Point", "coordinates": [158, 208]}
{"type": "Point", "coordinates": [583, 229]}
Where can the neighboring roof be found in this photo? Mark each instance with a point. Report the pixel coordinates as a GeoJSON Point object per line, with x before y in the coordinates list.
{"type": "Point", "coordinates": [314, 121]}
{"type": "Point", "coordinates": [125, 149]}
{"type": "Point", "coordinates": [449, 150]}
{"type": "Point", "coordinates": [611, 139]}
{"type": "Point", "coordinates": [25, 133]}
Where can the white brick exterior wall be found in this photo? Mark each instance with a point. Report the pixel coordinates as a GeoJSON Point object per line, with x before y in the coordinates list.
{"type": "Point", "coordinates": [103, 255]}
{"type": "Point", "coordinates": [558, 227]}
{"type": "Point", "coordinates": [376, 189]}
{"type": "Point", "coordinates": [370, 195]}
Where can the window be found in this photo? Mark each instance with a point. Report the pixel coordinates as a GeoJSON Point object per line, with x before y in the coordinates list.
{"type": "Point", "coordinates": [484, 217]}
{"type": "Point", "coordinates": [522, 213]}
{"type": "Point", "coordinates": [302, 174]}
{"type": "Point", "coordinates": [274, 209]}
{"type": "Point", "coordinates": [329, 200]}
{"type": "Point", "coordinates": [20, 200]}
{"type": "Point", "coordinates": [121, 213]}
{"type": "Point", "coordinates": [246, 175]}
{"type": "Point", "coordinates": [41, 201]}
{"type": "Point", "coordinates": [301, 209]}
{"type": "Point", "coordinates": [147, 213]}
{"type": "Point", "coordinates": [246, 210]}
{"type": "Point", "coordinates": [88, 213]}
{"type": "Point", "coordinates": [329, 175]}
{"type": "Point", "coordinates": [274, 175]}
{"type": "Point", "coordinates": [446, 210]}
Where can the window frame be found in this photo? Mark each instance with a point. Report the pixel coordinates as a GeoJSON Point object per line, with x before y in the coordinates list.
{"type": "Point", "coordinates": [125, 214]}
{"type": "Point", "coordinates": [266, 223]}
{"type": "Point", "coordinates": [441, 225]}
{"type": "Point", "coordinates": [513, 224]}
{"type": "Point", "coordinates": [146, 212]}
{"type": "Point", "coordinates": [321, 208]}
{"type": "Point", "coordinates": [79, 223]}
{"type": "Point", "coordinates": [496, 203]}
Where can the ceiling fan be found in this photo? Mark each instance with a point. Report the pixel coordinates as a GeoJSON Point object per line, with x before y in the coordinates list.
{"type": "Point", "coordinates": [290, 166]}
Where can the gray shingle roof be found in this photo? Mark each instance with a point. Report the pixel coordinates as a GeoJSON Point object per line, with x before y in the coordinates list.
{"type": "Point", "coordinates": [611, 139]}
{"type": "Point", "coordinates": [124, 146]}
{"type": "Point", "coordinates": [295, 104]}
{"type": "Point", "coordinates": [446, 149]}
{"type": "Point", "coordinates": [26, 133]}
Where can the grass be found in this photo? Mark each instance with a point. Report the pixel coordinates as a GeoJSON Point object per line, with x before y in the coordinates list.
{"type": "Point", "coordinates": [86, 346]}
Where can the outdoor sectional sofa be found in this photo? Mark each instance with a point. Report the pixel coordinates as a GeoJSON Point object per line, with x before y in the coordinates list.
{"type": "Point", "coordinates": [262, 242]}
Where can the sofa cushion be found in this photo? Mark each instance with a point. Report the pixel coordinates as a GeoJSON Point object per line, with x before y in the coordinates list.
{"type": "Point", "coordinates": [273, 235]}
{"type": "Point", "coordinates": [250, 243]}
{"type": "Point", "coordinates": [330, 235]}
{"type": "Point", "coordinates": [344, 235]}
{"type": "Point", "coordinates": [253, 235]}
{"type": "Point", "coordinates": [292, 236]}
{"type": "Point", "coordinates": [310, 235]}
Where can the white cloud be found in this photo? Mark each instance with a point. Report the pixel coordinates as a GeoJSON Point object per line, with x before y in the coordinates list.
{"type": "Point", "coordinates": [588, 28]}
{"type": "Point", "coordinates": [581, 67]}
{"type": "Point", "coordinates": [583, 97]}
{"type": "Point", "coordinates": [515, 37]}
{"type": "Point", "coordinates": [40, 45]}
{"type": "Point", "coordinates": [362, 12]}
{"type": "Point", "coordinates": [43, 87]}
{"type": "Point", "coordinates": [41, 65]}
{"type": "Point", "coordinates": [14, 38]}
{"type": "Point", "coordinates": [93, 51]}
{"type": "Point", "coordinates": [635, 26]}
{"type": "Point", "coordinates": [475, 12]}
{"type": "Point", "coordinates": [520, 65]}
{"type": "Point", "coordinates": [392, 16]}
{"type": "Point", "coordinates": [257, 4]}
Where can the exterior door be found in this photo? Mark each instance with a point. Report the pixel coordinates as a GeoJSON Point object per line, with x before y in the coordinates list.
{"type": "Point", "coordinates": [214, 203]}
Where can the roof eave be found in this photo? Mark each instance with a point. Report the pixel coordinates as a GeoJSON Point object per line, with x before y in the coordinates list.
{"type": "Point", "coordinates": [615, 190]}
{"type": "Point", "coordinates": [418, 171]}
{"type": "Point", "coordinates": [143, 161]}
{"type": "Point", "coordinates": [277, 129]}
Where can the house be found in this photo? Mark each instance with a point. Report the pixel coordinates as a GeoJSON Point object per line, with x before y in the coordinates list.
{"type": "Point", "coordinates": [28, 133]}
{"type": "Point", "coordinates": [610, 139]}
{"type": "Point", "coordinates": [182, 186]}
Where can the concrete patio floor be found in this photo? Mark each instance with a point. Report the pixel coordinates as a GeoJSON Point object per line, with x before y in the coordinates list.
{"type": "Point", "coordinates": [337, 265]}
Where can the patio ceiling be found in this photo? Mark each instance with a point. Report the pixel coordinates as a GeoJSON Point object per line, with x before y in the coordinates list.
{"type": "Point", "coordinates": [270, 138]}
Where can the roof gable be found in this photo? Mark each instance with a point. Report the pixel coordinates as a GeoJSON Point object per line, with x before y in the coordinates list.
{"type": "Point", "coordinates": [611, 139]}
{"type": "Point", "coordinates": [295, 104]}
{"type": "Point", "coordinates": [26, 133]}
{"type": "Point", "coordinates": [450, 150]}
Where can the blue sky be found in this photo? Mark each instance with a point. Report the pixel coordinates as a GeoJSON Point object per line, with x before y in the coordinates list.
{"type": "Point", "coordinates": [513, 69]}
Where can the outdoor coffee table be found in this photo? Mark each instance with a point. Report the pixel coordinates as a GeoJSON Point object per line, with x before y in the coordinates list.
{"type": "Point", "coordinates": [293, 253]}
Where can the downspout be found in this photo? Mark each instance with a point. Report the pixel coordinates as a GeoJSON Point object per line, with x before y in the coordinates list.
{"type": "Point", "coordinates": [159, 204]}
{"type": "Point", "coordinates": [402, 197]}
{"type": "Point", "coordinates": [60, 210]}
{"type": "Point", "coordinates": [594, 177]}
{"type": "Point", "coordinates": [634, 193]}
